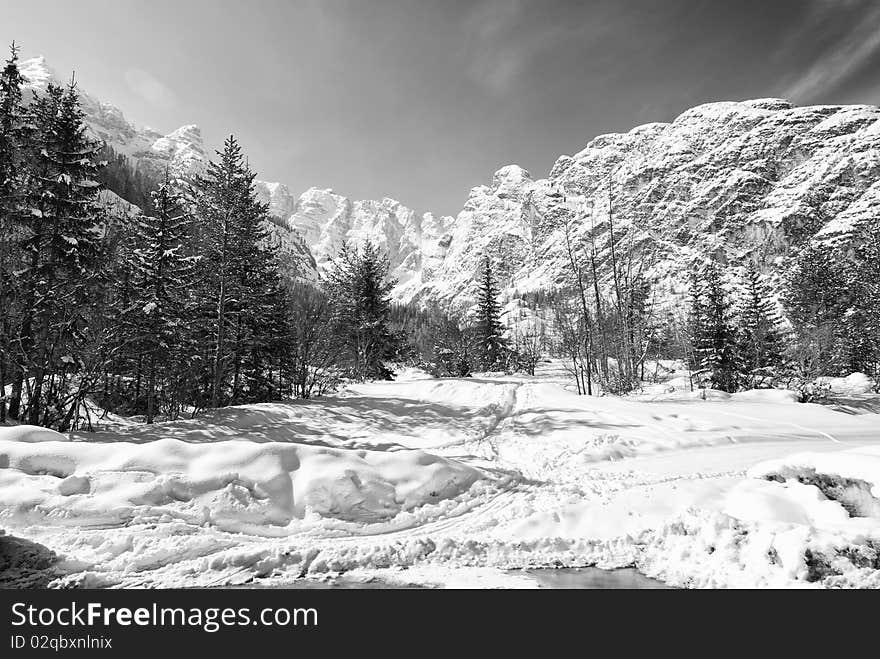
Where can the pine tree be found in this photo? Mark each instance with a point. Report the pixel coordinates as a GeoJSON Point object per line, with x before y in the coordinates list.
{"type": "Point", "coordinates": [713, 333]}
{"type": "Point", "coordinates": [816, 295]}
{"type": "Point", "coordinates": [491, 344]}
{"type": "Point", "coordinates": [761, 344]}
{"type": "Point", "coordinates": [858, 333]}
{"type": "Point", "coordinates": [13, 142]}
{"type": "Point", "coordinates": [164, 273]}
{"type": "Point", "coordinates": [359, 289]}
{"type": "Point", "coordinates": [238, 275]}
{"type": "Point", "coordinates": [63, 246]}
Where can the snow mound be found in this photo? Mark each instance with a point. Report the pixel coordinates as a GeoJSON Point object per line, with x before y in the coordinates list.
{"type": "Point", "coordinates": [854, 383]}
{"type": "Point", "coordinates": [851, 477]}
{"type": "Point", "coordinates": [767, 396]}
{"type": "Point", "coordinates": [30, 434]}
{"type": "Point", "coordinates": [237, 485]}
{"type": "Point", "coordinates": [809, 519]}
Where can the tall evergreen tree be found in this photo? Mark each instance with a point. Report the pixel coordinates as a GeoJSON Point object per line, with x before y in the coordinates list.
{"type": "Point", "coordinates": [164, 275]}
{"type": "Point", "coordinates": [238, 274]}
{"type": "Point", "coordinates": [761, 343]}
{"type": "Point", "coordinates": [13, 141]}
{"type": "Point", "coordinates": [63, 246]}
{"type": "Point", "coordinates": [713, 333]}
{"type": "Point", "coordinates": [491, 343]}
{"type": "Point", "coordinates": [359, 289]}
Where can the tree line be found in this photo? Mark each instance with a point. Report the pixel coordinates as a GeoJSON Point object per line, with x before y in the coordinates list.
{"type": "Point", "coordinates": [736, 329]}
{"type": "Point", "coordinates": [823, 321]}
{"type": "Point", "coordinates": [478, 341]}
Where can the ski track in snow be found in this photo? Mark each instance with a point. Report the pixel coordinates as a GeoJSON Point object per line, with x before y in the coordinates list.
{"type": "Point", "coordinates": [568, 481]}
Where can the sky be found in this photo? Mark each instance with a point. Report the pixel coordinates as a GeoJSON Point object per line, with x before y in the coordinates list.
{"type": "Point", "coordinates": [421, 100]}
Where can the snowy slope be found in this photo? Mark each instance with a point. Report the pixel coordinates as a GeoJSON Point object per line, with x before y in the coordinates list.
{"type": "Point", "coordinates": [236, 485]}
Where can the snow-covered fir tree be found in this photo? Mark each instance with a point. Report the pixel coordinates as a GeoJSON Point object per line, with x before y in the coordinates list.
{"type": "Point", "coordinates": [63, 226]}
{"type": "Point", "coordinates": [714, 337]}
{"type": "Point", "coordinates": [491, 344]}
{"type": "Point", "coordinates": [761, 339]}
{"type": "Point", "coordinates": [359, 289]}
{"type": "Point", "coordinates": [238, 277]}
{"type": "Point", "coordinates": [163, 272]}
{"type": "Point", "coordinates": [13, 139]}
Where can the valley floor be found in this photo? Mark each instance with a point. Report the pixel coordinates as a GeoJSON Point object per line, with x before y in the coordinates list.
{"type": "Point", "coordinates": [455, 482]}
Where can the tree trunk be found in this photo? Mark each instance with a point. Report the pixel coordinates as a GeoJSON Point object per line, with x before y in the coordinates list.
{"type": "Point", "coordinates": [151, 387]}
{"type": "Point", "coordinates": [218, 346]}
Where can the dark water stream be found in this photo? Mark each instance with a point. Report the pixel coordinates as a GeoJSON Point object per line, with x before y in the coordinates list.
{"type": "Point", "coordinates": [591, 578]}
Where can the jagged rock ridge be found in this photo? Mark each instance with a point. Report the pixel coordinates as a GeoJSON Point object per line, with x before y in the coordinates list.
{"type": "Point", "coordinates": [749, 180]}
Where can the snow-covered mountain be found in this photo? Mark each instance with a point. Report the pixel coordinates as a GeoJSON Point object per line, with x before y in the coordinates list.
{"type": "Point", "coordinates": [412, 242]}
{"type": "Point", "coordinates": [181, 150]}
{"type": "Point", "coordinates": [747, 180]}
{"type": "Point", "coordinates": [744, 180]}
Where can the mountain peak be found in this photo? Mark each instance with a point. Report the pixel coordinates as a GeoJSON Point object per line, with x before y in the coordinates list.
{"type": "Point", "coordinates": [512, 172]}
{"type": "Point", "coordinates": [37, 72]}
{"type": "Point", "coordinates": [187, 130]}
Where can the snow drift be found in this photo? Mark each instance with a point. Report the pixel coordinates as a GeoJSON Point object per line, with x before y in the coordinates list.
{"type": "Point", "coordinates": [850, 477]}
{"type": "Point", "coordinates": [30, 434]}
{"type": "Point", "coordinates": [854, 383]}
{"type": "Point", "coordinates": [231, 484]}
{"type": "Point", "coordinates": [808, 519]}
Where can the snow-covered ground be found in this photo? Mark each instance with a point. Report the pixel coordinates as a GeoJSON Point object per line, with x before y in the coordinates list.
{"type": "Point", "coordinates": [456, 481]}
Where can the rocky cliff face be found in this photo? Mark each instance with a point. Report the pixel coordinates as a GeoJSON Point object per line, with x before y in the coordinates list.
{"type": "Point", "coordinates": [747, 180]}
{"type": "Point", "coordinates": [743, 181]}
{"type": "Point", "coordinates": [412, 242]}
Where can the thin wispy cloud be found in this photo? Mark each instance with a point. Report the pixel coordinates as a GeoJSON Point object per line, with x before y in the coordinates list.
{"type": "Point", "coordinates": [846, 57]}
{"type": "Point", "coordinates": [506, 41]}
{"type": "Point", "coordinates": [503, 40]}
{"type": "Point", "coordinates": [485, 27]}
{"type": "Point", "coordinates": [150, 89]}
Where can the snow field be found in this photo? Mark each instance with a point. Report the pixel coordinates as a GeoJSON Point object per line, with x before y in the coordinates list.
{"type": "Point", "coordinates": [734, 491]}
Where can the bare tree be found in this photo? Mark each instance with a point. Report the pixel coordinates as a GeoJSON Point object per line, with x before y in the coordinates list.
{"type": "Point", "coordinates": [314, 350]}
